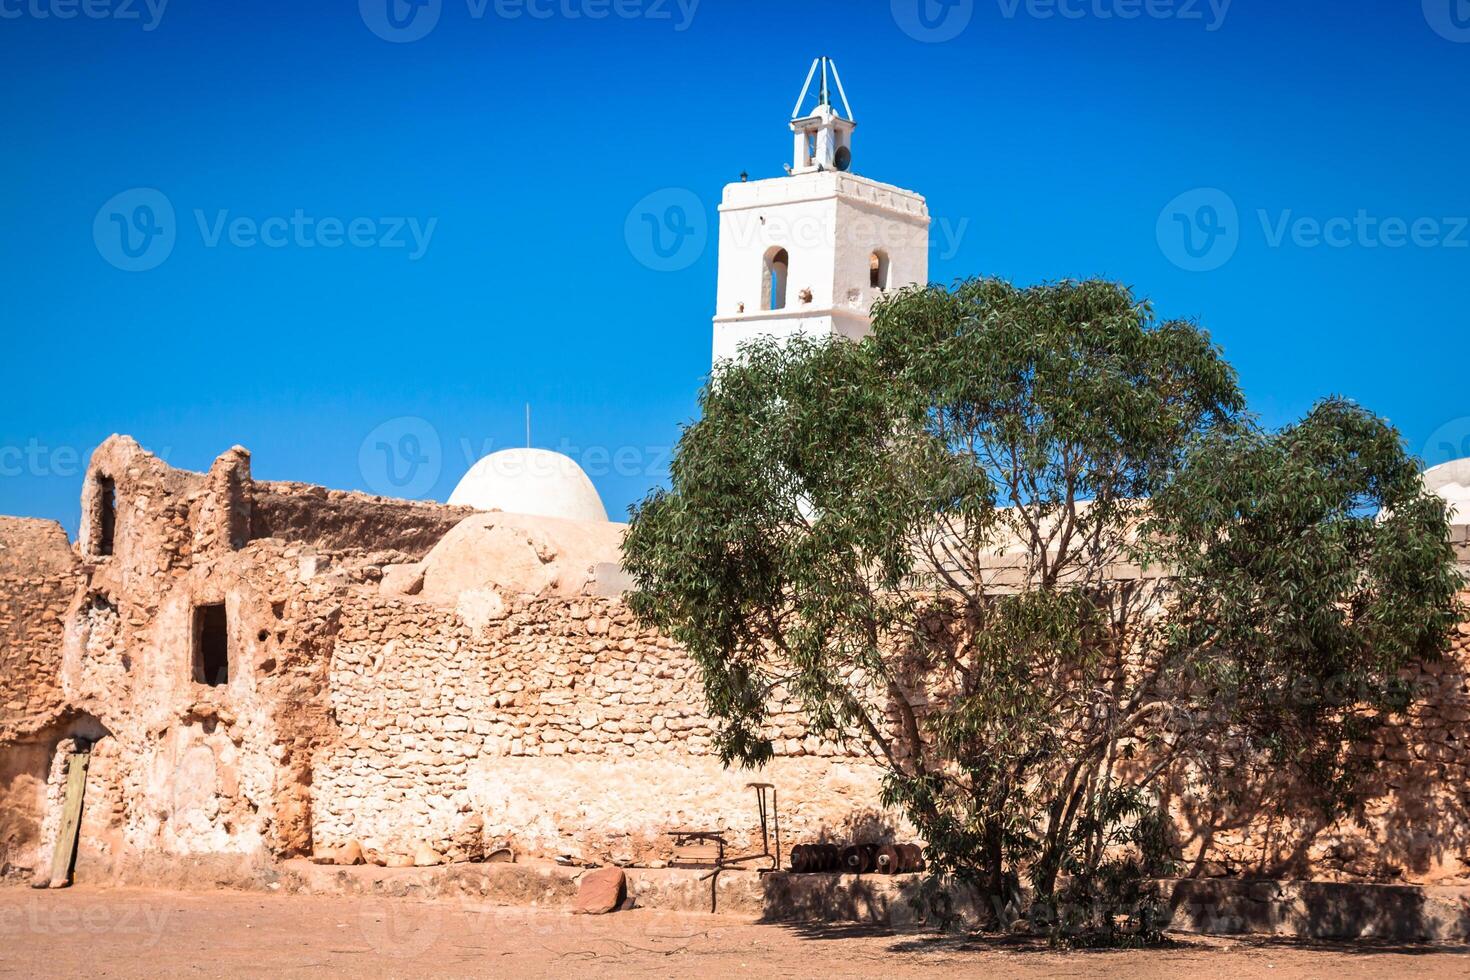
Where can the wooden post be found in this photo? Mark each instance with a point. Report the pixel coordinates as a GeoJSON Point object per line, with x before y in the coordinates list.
{"type": "Point", "coordinates": [71, 818]}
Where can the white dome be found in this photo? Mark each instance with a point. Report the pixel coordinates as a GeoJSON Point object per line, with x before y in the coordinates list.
{"type": "Point", "coordinates": [1452, 482]}
{"type": "Point", "coordinates": [530, 481]}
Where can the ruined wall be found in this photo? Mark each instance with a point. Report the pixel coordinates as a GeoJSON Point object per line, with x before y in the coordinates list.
{"type": "Point", "coordinates": [462, 717]}
{"type": "Point", "coordinates": [38, 580]}
{"type": "Point", "coordinates": [555, 726]}
{"type": "Point", "coordinates": [182, 769]}
{"type": "Point", "coordinates": [336, 519]}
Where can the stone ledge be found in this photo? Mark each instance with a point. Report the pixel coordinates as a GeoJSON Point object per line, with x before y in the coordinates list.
{"type": "Point", "coordinates": [534, 884]}
{"type": "Point", "coordinates": [1208, 906]}
{"type": "Point", "coordinates": [1321, 910]}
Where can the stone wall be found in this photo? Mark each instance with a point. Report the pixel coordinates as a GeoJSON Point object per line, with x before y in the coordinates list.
{"type": "Point", "coordinates": [180, 767]}
{"type": "Point", "coordinates": [38, 581]}
{"type": "Point", "coordinates": [559, 727]}
{"type": "Point", "coordinates": [337, 519]}
{"type": "Point", "coordinates": [1413, 820]}
{"type": "Point", "coordinates": [555, 727]}
{"type": "Point", "coordinates": [469, 717]}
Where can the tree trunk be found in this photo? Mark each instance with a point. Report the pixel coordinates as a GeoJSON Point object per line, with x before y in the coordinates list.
{"type": "Point", "coordinates": [994, 871]}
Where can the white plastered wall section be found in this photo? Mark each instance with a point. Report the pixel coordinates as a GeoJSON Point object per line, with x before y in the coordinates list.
{"type": "Point", "coordinates": [830, 224]}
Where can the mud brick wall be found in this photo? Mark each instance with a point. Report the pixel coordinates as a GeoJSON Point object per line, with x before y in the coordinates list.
{"type": "Point", "coordinates": [558, 728]}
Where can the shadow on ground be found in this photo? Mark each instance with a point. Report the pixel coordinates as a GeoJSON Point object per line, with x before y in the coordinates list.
{"type": "Point", "coordinates": [904, 942]}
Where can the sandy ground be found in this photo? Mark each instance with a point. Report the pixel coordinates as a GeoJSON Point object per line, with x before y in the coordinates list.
{"type": "Point", "coordinates": [136, 933]}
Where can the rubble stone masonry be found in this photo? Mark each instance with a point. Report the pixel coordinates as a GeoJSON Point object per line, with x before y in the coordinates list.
{"type": "Point", "coordinates": [559, 727]}
{"type": "Point", "coordinates": [358, 709]}
{"type": "Point", "coordinates": [38, 580]}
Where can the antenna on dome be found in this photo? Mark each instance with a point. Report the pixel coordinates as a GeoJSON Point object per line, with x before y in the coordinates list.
{"type": "Point", "coordinates": [823, 138]}
{"type": "Point", "coordinates": [528, 425]}
{"type": "Point", "coordinates": [842, 92]}
{"type": "Point", "coordinates": [824, 95]}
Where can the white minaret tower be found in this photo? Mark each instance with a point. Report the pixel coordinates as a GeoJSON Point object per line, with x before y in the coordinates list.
{"type": "Point", "coordinates": [809, 253]}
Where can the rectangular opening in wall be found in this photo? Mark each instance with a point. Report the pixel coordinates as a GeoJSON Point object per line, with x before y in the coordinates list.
{"type": "Point", "coordinates": [211, 645]}
{"type": "Point", "coordinates": [106, 514]}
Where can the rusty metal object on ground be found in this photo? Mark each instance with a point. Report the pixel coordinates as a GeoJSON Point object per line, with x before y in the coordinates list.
{"type": "Point", "coordinates": [768, 815]}
{"type": "Point", "coordinates": [913, 857]}
{"type": "Point", "coordinates": [697, 849]}
{"type": "Point", "coordinates": [861, 858]}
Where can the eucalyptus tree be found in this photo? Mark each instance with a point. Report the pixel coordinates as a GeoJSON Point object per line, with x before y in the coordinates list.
{"type": "Point", "coordinates": [1025, 548]}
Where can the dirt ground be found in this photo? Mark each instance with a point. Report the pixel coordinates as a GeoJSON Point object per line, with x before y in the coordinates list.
{"type": "Point", "coordinates": [137, 933]}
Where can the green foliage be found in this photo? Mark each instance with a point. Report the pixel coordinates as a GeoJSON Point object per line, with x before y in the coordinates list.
{"type": "Point", "coordinates": [1313, 566]}
{"type": "Point", "coordinates": [931, 543]}
{"type": "Point", "coordinates": [1110, 895]}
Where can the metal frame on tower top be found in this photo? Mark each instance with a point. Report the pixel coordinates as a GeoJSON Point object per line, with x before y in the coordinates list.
{"type": "Point", "coordinates": [825, 64]}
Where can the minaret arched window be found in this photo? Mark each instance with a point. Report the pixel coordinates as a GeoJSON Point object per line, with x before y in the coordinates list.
{"type": "Point", "coordinates": [774, 278]}
{"type": "Point", "coordinates": [878, 270]}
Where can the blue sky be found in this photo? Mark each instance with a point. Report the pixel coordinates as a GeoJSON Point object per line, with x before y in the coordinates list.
{"type": "Point", "coordinates": [446, 219]}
